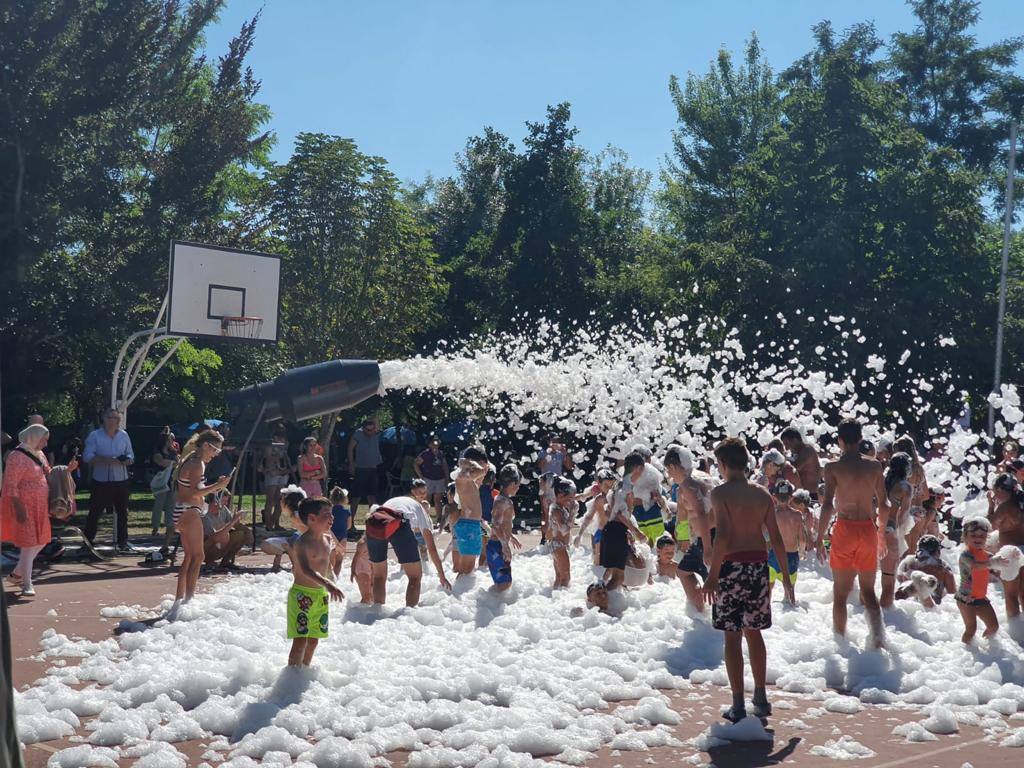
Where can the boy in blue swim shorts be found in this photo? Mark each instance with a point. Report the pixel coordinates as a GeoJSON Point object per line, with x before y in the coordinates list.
{"type": "Point", "coordinates": [793, 524]}
{"type": "Point", "coordinates": [468, 532]}
{"type": "Point", "coordinates": [503, 512]}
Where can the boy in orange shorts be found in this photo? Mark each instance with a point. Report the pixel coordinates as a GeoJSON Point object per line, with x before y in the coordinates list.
{"type": "Point", "coordinates": [854, 488]}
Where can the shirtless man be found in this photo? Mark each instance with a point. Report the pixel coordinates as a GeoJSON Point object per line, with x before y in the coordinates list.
{"type": "Point", "coordinates": [793, 526]}
{"type": "Point", "coordinates": [499, 547]}
{"type": "Point", "coordinates": [560, 518]}
{"type": "Point", "coordinates": [598, 511]}
{"type": "Point", "coordinates": [310, 595]}
{"type": "Point", "coordinates": [1008, 520]}
{"type": "Point", "coordinates": [692, 506]}
{"type": "Point", "coordinates": [737, 586]}
{"type": "Point", "coordinates": [804, 458]}
{"type": "Point", "coordinates": [467, 533]}
{"type": "Point", "coordinates": [855, 487]}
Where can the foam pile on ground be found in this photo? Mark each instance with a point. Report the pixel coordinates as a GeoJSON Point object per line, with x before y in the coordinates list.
{"type": "Point", "coordinates": [473, 679]}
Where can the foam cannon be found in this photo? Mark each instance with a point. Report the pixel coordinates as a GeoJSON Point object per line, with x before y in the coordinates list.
{"type": "Point", "coordinates": [305, 393]}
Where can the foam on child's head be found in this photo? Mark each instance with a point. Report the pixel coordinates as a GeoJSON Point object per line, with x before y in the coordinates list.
{"type": "Point", "coordinates": [338, 495]}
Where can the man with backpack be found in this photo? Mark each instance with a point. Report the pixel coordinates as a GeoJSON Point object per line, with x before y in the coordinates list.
{"type": "Point", "coordinates": [397, 521]}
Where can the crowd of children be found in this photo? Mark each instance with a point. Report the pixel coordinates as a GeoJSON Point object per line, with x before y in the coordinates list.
{"type": "Point", "coordinates": [727, 528]}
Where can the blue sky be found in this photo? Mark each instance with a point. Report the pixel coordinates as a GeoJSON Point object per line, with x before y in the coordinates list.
{"type": "Point", "coordinates": [411, 80]}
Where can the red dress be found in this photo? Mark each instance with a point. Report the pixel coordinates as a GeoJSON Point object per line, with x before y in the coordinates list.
{"type": "Point", "coordinates": [26, 480]}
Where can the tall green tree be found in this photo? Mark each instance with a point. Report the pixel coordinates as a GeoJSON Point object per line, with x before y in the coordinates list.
{"type": "Point", "coordinates": [958, 91]}
{"type": "Point", "coordinates": [542, 250]}
{"type": "Point", "coordinates": [360, 274]}
{"type": "Point", "coordinates": [723, 117]}
{"type": "Point", "coordinates": [116, 135]}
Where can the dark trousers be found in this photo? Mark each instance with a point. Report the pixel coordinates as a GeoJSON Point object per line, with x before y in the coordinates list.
{"type": "Point", "coordinates": [112, 496]}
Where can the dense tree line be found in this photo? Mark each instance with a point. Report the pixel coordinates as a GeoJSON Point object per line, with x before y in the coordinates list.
{"type": "Point", "coordinates": [863, 180]}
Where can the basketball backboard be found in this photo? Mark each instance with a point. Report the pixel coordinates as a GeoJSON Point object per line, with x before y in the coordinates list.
{"type": "Point", "coordinates": [223, 292]}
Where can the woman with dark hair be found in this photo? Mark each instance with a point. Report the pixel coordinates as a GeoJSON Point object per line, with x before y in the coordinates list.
{"type": "Point", "coordinates": [164, 457]}
{"type": "Point", "coordinates": [312, 469]}
{"type": "Point", "coordinates": [900, 493]}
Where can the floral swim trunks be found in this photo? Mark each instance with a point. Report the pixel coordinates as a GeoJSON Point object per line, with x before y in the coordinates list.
{"type": "Point", "coordinates": [743, 600]}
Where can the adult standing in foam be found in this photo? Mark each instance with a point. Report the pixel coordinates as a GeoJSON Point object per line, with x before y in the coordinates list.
{"type": "Point", "coordinates": [468, 531]}
{"type": "Point", "coordinates": [109, 451]}
{"type": "Point", "coordinates": [804, 457]}
{"type": "Point", "coordinates": [855, 488]}
{"type": "Point", "coordinates": [403, 543]}
{"type": "Point", "coordinates": [431, 466]}
{"type": "Point", "coordinates": [364, 465]}
{"type": "Point", "coordinates": [24, 504]}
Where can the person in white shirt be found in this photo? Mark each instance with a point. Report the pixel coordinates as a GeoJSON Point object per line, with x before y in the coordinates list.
{"type": "Point", "coordinates": [109, 451]}
{"type": "Point", "coordinates": [403, 542]}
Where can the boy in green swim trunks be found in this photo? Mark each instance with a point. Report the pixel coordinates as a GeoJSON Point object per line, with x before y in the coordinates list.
{"type": "Point", "coordinates": [308, 599]}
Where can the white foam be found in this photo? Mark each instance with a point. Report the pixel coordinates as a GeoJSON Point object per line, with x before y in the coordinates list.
{"type": "Point", "coordinates": [843, 748]}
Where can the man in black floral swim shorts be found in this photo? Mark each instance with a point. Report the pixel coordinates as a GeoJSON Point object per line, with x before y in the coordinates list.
{"type": "Point", "coordinates": [737, 586]}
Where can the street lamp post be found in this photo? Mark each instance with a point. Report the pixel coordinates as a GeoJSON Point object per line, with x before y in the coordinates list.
{"type": "Point", "coordinates": [1007, 227]}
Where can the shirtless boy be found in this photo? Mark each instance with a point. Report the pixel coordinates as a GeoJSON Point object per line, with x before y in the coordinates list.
{"type": "Point", "coordinates": [692, 506]}
{"type": "Point", "coordinates": [503, 513]}
{"type": "Point", "coordinates": [308, 599]}
{"type": "Point", "coordinates": [854, 487]}
{"type": "Point", "coordinates": [644, 496]}
{"type": "Point", "coordinates": [804, 457]}
{"type": "Point", "coordinates": [793, 526]}
{"type": "Point", "coordinates": [737, 586]}
{"type": "Point", "coordinates": [598, 512]}
{"type": "Point", "coordinates": [560, 518]}
{"type": "Point", "coordinates": [467, 533]}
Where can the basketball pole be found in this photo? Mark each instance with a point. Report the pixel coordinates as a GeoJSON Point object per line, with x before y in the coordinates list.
{"type": "Point", "coordinates": [124, 385]}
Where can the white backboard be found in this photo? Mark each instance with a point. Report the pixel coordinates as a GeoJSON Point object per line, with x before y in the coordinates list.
{"type": "Point", "coordinates": [208, 283]}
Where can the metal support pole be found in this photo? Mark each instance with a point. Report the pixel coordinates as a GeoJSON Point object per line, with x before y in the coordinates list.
{"type": "Point", "coordinates": [1007, 228]}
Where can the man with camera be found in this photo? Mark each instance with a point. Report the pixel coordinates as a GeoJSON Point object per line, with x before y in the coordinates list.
{"type": "Point", "coordinates": [108, 450]}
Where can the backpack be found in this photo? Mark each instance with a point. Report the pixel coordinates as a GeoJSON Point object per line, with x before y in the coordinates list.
{"type": "Point", "coordinates": [382, 523]}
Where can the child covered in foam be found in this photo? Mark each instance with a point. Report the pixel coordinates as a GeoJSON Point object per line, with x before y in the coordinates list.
{"type": "Point", "coordinates": [912, 570]}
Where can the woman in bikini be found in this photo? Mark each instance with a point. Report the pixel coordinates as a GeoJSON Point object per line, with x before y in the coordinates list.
{"type": "Point", "coordinates": [190, 508]}
{"type": "Point", "coordinates": [312, 469]}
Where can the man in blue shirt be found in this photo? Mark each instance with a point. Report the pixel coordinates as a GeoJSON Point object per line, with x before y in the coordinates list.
{"type": "Point", "coordinates": [109, 451]}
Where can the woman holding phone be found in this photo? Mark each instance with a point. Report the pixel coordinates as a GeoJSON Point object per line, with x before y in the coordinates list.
{"type": "Point", "coordinates": [190, 508]}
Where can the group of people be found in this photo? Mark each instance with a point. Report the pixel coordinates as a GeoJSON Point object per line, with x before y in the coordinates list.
{"type": "Point", "coordinates": [726, 527]}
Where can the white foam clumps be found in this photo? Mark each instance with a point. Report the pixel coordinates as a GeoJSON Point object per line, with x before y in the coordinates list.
{"type": "Point", "coordinates": [843, 748]}
{"type": "Point", "coordinates": [468, 678]}
{"type": "Point", "coordinates": [677, 381]}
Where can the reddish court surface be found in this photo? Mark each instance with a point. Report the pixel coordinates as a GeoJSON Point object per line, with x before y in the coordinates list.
{"type": "Point", "coordinates": [77, 591]}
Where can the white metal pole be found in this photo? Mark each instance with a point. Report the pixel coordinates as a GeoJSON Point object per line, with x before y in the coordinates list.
{"type": "Point", "coordinates": [1007, 227]}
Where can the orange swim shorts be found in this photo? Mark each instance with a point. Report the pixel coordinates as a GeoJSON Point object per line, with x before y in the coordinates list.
{"type": "Point", "coordinates": [854, 546]}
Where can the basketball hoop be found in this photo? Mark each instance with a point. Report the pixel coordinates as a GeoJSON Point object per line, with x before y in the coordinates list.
{"type": "Point", "coordinates": [239, 327]}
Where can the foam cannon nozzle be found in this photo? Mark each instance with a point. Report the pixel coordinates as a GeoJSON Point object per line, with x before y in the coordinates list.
{"type": "Point", "coordinates": [307, 392]}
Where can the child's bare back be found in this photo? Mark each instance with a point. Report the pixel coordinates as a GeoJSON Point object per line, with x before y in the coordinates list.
{"type": "Point", "coordinates": [741, 511]}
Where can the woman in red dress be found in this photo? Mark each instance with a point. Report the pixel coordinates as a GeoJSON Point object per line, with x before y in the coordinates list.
{"type": "Point", "coordinates": [24, 503]}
